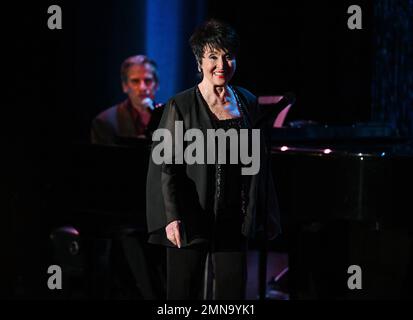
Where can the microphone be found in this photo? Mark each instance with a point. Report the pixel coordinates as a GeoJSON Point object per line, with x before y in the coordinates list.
{"type": "Point", "coordinates": [148, 103]}
{"type": "Point", "coordinates": [274, 108]}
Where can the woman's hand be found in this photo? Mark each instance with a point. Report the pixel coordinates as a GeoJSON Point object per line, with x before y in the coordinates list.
{"type": "Point", "coordinates": [172, 233]}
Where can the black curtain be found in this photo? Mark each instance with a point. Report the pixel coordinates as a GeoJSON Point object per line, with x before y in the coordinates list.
{"type": "Point", "coordinates": [392, 86]}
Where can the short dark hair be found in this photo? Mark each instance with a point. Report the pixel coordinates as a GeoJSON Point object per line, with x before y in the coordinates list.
{"type": "Point", "coordinates": [214, 34]}
{"type": "Point", "coordinates": [138, 60]}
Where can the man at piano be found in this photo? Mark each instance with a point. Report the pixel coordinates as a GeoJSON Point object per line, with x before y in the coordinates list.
{"type": "Point", "coordinates": [126, 253]}
{"type": "Point", "coordinates": [137, 116]}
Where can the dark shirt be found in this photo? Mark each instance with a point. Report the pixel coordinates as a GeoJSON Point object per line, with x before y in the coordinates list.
{"type": "Point", "coordinates": [186, 192]}
{"type": "Point", "coordinates": [123, 121]}
{"type": "Point", "coordinates": [223, 232]}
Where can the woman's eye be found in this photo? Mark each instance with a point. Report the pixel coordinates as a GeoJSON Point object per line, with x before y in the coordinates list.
{"type": "Point", "coordinates": [213, 57]}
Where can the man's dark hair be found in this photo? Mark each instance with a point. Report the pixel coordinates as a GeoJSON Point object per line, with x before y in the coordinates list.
{"type": "Point", "coordinates": [216, 35]}
{"type": "Point", "coordinates": [138, 60]}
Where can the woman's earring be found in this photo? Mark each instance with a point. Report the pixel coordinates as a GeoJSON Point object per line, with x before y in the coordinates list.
{"type": "Point", "coordinates": [199, 68]}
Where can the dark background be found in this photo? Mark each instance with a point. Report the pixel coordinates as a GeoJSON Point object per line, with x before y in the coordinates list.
{"type": "Point", "coordinates": [65, 77]}
{"type": "Point", "coordinates": [56, 81]}
{"type": "Point", "coordinates": [307, 48]}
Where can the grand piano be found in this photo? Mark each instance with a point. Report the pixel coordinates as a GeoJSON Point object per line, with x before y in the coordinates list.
{"type": "Point", "coordinates": [345, 200]}
{"type": "Point", "coordinates": [343, 192]}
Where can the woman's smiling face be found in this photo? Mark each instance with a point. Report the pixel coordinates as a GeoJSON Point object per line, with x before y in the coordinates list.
{"type": "Point", "coordinates": [218, 66]}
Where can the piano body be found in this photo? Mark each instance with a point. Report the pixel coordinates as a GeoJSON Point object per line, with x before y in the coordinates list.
{"type": "Point", "coordinates": [345, 200]}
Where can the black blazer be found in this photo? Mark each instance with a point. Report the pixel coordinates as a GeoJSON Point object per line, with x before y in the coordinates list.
{"type": "Point", "coordinates": [186, 192]}
{"type": "Point", "coordinates": [117, 122]}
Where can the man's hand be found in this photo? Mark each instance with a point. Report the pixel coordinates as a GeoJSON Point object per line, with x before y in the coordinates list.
{"type": "Point", "coordinates": [172, 233]}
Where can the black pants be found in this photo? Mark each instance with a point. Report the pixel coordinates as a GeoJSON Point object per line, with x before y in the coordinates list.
{"type": "Point", "coordinates": [186, 269]}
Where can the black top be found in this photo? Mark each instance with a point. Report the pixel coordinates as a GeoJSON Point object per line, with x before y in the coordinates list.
{"type": "Point", "coordinates": [187, 192]}
{"type": "Point", "coordinates": [116, 125]}
{"type": "Point", "coordinates": [230, 191]}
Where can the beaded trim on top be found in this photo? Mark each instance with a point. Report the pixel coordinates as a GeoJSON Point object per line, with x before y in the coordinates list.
{"type": "Point", "coordinates": [238, 123]}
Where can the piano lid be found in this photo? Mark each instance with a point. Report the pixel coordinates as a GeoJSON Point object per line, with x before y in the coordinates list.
{"type": "Point", "coordinates": [358, 140]}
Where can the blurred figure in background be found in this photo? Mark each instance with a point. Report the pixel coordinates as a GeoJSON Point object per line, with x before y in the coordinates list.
{"type": "Point", "coordinates": [138, 115]}
{"type": "Point", "coordinates": [129, 266]}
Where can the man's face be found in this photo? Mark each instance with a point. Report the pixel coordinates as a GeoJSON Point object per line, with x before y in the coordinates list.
{"type": "Point", "coordinates": [140, 84]}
